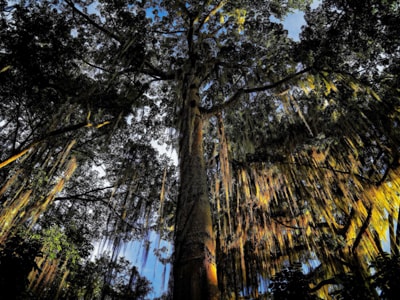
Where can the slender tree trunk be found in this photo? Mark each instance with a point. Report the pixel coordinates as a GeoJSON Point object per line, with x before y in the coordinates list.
{"type": "Point", "coordinates": [195, 274]}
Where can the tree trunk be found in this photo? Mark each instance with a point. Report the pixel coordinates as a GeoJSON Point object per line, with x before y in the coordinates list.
{"type": "Point", "coordinates": [195, 274]}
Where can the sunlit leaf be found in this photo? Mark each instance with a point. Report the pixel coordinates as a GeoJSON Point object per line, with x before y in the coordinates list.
{"type": "Point", "coordinates": [5, 68]}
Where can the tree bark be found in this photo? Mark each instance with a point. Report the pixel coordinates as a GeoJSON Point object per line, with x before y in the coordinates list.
{"type": "Point", "coordinates": [195, 274]}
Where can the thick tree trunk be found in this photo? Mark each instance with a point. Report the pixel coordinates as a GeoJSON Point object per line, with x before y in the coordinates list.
{"type": "Point", "coordinates": [195, 275]}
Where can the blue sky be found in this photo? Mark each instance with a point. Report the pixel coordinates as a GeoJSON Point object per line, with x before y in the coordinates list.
{"type": "Point", "coordinates": [151, 268]}
{"type": "Point", "coordinates": [293, 22]}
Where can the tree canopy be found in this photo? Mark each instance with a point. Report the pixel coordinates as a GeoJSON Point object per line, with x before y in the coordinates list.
{"type": "Point", "coordinates": [288, 150]}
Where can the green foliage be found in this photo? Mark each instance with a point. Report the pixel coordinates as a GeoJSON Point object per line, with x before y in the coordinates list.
{"type": "Point", "coordinates": [55, 244]}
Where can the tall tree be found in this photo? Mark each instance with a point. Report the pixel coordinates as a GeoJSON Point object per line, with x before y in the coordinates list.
{"type": "Point", "coordinates": [288, 150]}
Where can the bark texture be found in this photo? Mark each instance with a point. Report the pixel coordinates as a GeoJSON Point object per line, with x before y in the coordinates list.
{"type": "Point", "coordinates": [195, 274]}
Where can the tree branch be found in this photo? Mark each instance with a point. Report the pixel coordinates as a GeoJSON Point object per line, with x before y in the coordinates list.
{"type": "Point", "coordinates": [286, 225]}
{"type": "Point", "coordinates": [362, 230]}
{"type": "Point", "coordinates": [102, 201]}
{"type": "Point", "coordinates": [92, 22]}
{"type": "Point", "coordinates": [96, 66]}
{"type": "Point", "coordinates": [235, 97]}
{"type": "Point", "coordinates": [322, 284]}
{"type": "Point", "coordinates": [149, 71]}
{"type": "Point", "coordinates": [276, 84]}
{"type": "Point", "coordinates": [393, 164]}
{"type": "Point", "coordinates": [262, 158]}
{"type": "Point", "coordinates": [22, 152]}
{"type": "Point", "coordinates": [212, 12]}
{"type": "Point", "coordinates": [152, 71]}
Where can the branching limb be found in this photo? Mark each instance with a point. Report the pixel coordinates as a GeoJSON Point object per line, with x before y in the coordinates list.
{"type": "Point", "coordinates": [269, 86]}
{"type": "Point", "coordinates": [100, 200]}
{"type": "Point", "coordinates": [236, 96]}
{"type": "Point", "coordinates": [322, 284]}
{"type": "Point", "coordinates": [57, 132]}
{"type": "Point", "coordinates": [286, 225]}
{"type": "Point", "coordinates": [149, 70]}
{"type": "Point", "coordinates": [280, 159]}
{"type": "Point", "coordinates": [363, 228]}
{"type": "Point", "coordinates": [92, 22]}
{"type": "Point", "coordinates": [212, 12]}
